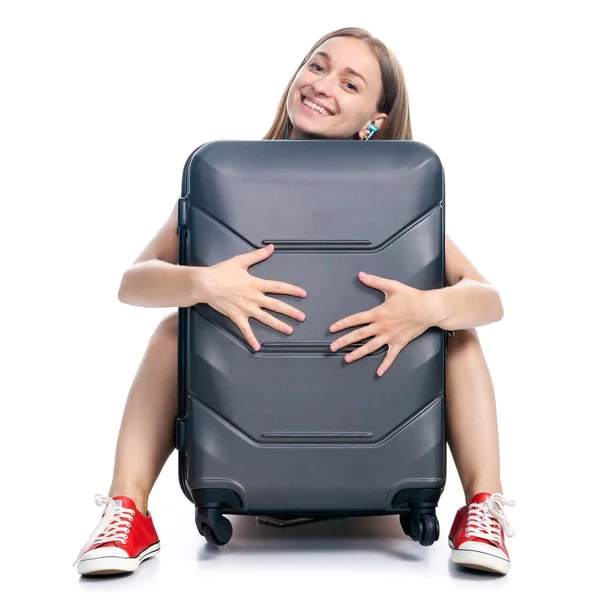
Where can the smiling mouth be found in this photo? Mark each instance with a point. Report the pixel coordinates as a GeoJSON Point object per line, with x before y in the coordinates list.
{"type": "Point", "coordinates": [315, 108]}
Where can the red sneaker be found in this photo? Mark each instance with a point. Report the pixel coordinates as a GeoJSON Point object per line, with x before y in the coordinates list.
{"type": "Point", "coordinates": [123, 539]}
{"type": "Point", "coordinates": [477, 534]}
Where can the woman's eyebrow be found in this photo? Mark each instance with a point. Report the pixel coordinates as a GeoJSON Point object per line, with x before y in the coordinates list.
{"type": "Point", "coordinates": [347, 69]}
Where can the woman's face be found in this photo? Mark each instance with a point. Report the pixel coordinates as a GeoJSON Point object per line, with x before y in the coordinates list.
{"type": "Point", "coordinates": [343, 77]}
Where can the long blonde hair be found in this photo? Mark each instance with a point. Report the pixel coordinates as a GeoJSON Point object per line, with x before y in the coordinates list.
{"type": "Point", "coordinates": [394, 95]}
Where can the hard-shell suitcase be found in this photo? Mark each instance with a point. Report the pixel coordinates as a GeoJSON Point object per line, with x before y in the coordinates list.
{"type": "Point", "coordinates": [293, 430]}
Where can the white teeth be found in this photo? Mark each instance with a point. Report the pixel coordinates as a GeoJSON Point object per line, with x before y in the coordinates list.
{"type": "Point", "coordinates": [316, 107]}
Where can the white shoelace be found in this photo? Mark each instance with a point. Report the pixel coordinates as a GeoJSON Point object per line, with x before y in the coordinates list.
{"type": "Point", "coordinates": [487, 520]}
{"type": "Point", "coordinates": [113, 527]}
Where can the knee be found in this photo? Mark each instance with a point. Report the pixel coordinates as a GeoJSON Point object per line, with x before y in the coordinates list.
{"type": "Point", "coordinates": [167, 328]}
{"type": "Point", "coordinates": [463, 338]}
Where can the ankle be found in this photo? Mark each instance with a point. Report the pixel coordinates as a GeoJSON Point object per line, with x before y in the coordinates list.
{"type": "Point", "coordinates": [140, 498]}
{"type": "Point", "coordinates": [477, 487]}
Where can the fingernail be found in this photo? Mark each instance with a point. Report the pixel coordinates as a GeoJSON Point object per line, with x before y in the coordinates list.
{"type": "Point", "coordinates": [288, 330]}
{"type": "Point", "coordinates": [301, 317]}
{"type": "Point", "coordinates": [362, 274]}
{"type": "Point", "coordinates": [333, 328]}
{"type": "Point", "coordinates": [349, 359]}
{"type": "Point", "coordinates": [334, 347]}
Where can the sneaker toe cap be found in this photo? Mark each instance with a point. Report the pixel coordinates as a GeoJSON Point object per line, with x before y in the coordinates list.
{"type": "Point", "coordinates": [105, 552]}
{"type": "Point", "coordinates": [485, 548]}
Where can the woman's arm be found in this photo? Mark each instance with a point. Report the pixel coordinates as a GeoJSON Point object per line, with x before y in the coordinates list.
{"type": "Point", "coordinates": [468, 301]}
{"type": "Point", "coordinates": [156, 280]}
{"type": "Point", "coordinates": [154, 283]}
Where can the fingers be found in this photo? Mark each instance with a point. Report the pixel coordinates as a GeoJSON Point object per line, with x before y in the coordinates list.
{"type": "Point", "coordinates": [379, 283]}
{"type": "Point", "coordinates": [244, 326]}
{"type": "Point", "coordinates": [369, 347]}
{"type": "Point", "coordinates": [279, 287]}
{"type": "Point", "coordinates": [266, 285]}
{"type": "Point", "coordinates": [283, 308]}
{"type": "Point", "coordinates": [271, 321]}
{"type": "Point", "coordinates": [251, 258]}
{"type": "Point", "coordinates": [352, 338]}
{"type": "Point", "coordinates": [358, 319]}
{"type": "Point", "coordinates": [390, 357]}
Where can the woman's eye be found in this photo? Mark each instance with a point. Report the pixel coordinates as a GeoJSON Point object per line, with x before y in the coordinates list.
{"type": "Point", "coordinates": [316, 65]}
{"type": "Point", "coordinates": [353, 86]}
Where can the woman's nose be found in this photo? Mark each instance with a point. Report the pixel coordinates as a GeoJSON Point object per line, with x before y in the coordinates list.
{"type": "Point", "coordinates": [323, 86]}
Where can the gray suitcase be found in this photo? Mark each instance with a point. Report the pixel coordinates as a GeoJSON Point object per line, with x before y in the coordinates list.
{"type": "Point", "coordinates": [293, 430]}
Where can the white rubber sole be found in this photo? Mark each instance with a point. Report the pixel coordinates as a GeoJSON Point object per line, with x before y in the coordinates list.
{"type": "Point", "coordinates": [112, 565]}
{"type": "Point", "coordinates": [480, 561]}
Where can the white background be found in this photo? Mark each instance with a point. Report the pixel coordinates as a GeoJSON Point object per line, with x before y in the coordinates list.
{"type": "Point", "coordinates": [102, 102]}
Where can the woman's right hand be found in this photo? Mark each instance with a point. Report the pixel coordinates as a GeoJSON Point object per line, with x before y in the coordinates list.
{"type": "Point", "coordinates": [233, 292]}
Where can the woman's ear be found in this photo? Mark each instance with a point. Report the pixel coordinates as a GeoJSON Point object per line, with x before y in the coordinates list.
{"type": "Point", "coordinates": [378, 120]}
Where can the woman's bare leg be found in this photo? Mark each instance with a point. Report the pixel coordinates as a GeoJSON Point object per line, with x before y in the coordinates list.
{"type": "Point", "coordinates": [146, 436]}
{"type": "Point", "coordinates": [471, 415]}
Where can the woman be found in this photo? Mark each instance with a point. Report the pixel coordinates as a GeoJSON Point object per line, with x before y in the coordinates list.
{"type": "Point", "coordinates": [349, 86]}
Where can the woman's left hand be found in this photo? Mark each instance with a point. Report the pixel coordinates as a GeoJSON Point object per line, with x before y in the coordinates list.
{"type": "Point", "coordinates": [400, 319]}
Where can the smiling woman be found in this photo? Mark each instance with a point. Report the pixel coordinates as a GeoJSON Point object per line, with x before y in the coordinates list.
{"type": "Point", "coordinates": [349, 86]}
{"type": "Point", "coordinates": [356, 80]}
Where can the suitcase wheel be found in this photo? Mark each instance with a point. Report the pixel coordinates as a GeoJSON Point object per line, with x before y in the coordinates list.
{"type": "Point", "coordinates": [213, 526]}
{"type": "Point", "coordinates": [405, 523]}
{"type": "Point", "coordinates": [423, 528]}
